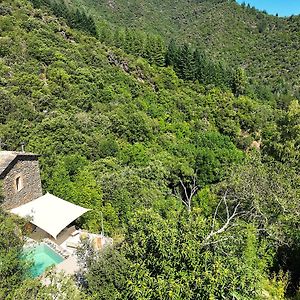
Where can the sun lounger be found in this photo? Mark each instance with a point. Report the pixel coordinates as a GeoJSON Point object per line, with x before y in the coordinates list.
{"type": "Point", "coordinates": [76, 232]}
{"type": "Point", "coordinates": [72, 245]}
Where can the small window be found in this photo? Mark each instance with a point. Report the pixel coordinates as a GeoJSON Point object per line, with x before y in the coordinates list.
{"type": "Point", "coordinates": [19, 183]}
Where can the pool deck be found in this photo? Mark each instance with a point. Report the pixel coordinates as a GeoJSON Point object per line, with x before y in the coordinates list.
{"type": "Point", "coordinates": [70, 266]}
{"type": "Point", "coordinates": [67, 243]}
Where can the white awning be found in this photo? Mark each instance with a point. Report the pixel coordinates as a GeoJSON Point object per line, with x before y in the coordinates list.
{"type": "Point", "coordinates": [50, 213]}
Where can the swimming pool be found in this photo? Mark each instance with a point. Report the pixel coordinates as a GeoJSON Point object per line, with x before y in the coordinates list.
{"type": "Point", "coordinates": [42, 257]}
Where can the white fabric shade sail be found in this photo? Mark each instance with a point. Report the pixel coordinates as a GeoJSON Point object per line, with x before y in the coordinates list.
{"type": "Point", "coordinates": [50, 213]}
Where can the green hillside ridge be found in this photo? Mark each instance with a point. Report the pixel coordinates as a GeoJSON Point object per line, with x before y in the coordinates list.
{"type": "Point", "coordinates": [166, 161]}
{"type": "Point", "coordinates": [266, 46]}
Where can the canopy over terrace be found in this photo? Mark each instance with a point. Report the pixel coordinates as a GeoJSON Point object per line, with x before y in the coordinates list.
{"type": "Point", "coordinates": [50, 213]}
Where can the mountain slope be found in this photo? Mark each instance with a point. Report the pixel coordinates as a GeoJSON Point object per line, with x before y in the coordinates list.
{"type": "Point", "coordinates": [63, 92]}
{"type": "Point", "coordinates": [165, 162]}
{"type": "Point", "coordinates": [267, 46]}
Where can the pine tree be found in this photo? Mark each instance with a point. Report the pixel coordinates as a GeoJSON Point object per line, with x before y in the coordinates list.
{"type": "Point", "coordinates": [91, 26]}
{"type": "Point", "coordinates": [186, 64]}
{"type": "Point", "coordinates": [137, 40]}
{"type": "Point", "coordinates": [155, 50]}
{"type": "Point", "coordinates": [119, 38]}
{"type": "Point", "coordinates": [200, 65]}
{"type": "Point", "coordinates": [77, 19]}
{"type": "Point", "coordinates": [171, 54]}
{"type": "Point", "coordinates": [36, 3]}
{"type": "Point", "coordinates": [129, 37]}
{"type": "Point", "coordinates": [105, 34]}
{"type": "Point", "coordinates": [221, 75]}
{"type": "Point", "coordinates": [159, 51]}
{"type": "Point", "coordinates": [63, 11]}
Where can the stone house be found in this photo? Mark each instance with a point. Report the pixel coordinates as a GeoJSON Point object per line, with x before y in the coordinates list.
{"type": "Point", "coordinates": [20, 180]}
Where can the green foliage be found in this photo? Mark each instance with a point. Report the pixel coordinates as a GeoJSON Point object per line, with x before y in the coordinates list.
{"type": "Point", "coordinates": [265, 46]}
{"type": "Point", "coordinates": [240, 82]}
{"type": "Point", "coordinates": [271, 190]}
{"type": "Point", "coordinates": [194, 64]}
{"type": "Point", "coordinates": [12, 268]}
{"type": "Point", "coordinates": [107, 274]}
{"type": "Point", "coordinates": [123, 135]}
{"type": "Point", "coordinates": [73, 180]}
{"type": "Point", "coordinates": [75, 18]}
{"type": "Point", "coordinates": [59, 286]}
{"type": "Point", "coordinates": [168, 258]}
{"type": "Point", "coordinates": [282, 141]}
{"type": "Point", "coordinates": [215, 155]}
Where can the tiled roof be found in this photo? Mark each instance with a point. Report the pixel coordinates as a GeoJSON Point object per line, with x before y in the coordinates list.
{"type": "Point", "coordinates": [8, 157]}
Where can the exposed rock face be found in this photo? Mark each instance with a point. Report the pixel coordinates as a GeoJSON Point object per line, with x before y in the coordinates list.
{"type": "Point", "coordinates": [20, 175]}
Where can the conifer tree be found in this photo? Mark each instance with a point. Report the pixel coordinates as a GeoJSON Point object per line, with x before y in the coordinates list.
{"type": "Point", "coordinates": [155, 50]}
{"type": "Point", "coordinates": [186, 64]}
{"type": "Point", "coordinates": [159, 51]}
{"type": "Point", "coordinates": [62, 11]}
{"type": "Point", "coordinates": [77, 19]}
{"type": "Point", "coordinates": [91, 25]}
{"type": "Point", "coordinates": [105, 34]}
{"type": "Point", "coordinates": [200, 64]}
{"type": "Point", "coordinates": [119, 38]}
{"type": "Point", "coordinates": [128, 40]}
{"type": "Point", "coordinates": [171, 54]}
{"type": "Point", "coordinates": [137, 40]}
{"type": "Point", "coordinates": [36, 3]}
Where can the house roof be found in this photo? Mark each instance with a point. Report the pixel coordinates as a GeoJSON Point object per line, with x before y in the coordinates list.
{"type": "Point", "coordinates": [50, 213]}
{"type": "Point", "coordinates": [8, 158]}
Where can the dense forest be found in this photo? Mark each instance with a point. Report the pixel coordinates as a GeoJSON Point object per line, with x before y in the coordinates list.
{"type": "Point", "coordinates": [266, 46]}
{"type": "Point", "coordinates": [191, 158]}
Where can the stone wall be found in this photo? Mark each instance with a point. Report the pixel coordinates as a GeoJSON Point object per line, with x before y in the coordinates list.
{"type": "Point", "coordinates": [27, 170]}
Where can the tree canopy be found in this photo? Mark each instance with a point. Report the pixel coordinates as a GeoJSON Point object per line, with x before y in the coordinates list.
{"type": "Point", "coordinates": [192, 164]}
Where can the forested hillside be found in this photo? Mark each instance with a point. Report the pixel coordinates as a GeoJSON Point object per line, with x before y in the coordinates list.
{"type": "Point", "coordinates": [198, 182]}
{"type": "Point", "coordinates": [266, 46]}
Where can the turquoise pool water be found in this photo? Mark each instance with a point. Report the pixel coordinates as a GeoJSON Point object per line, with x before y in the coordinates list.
{"type": "Point", "coordinates": [42, 257]}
